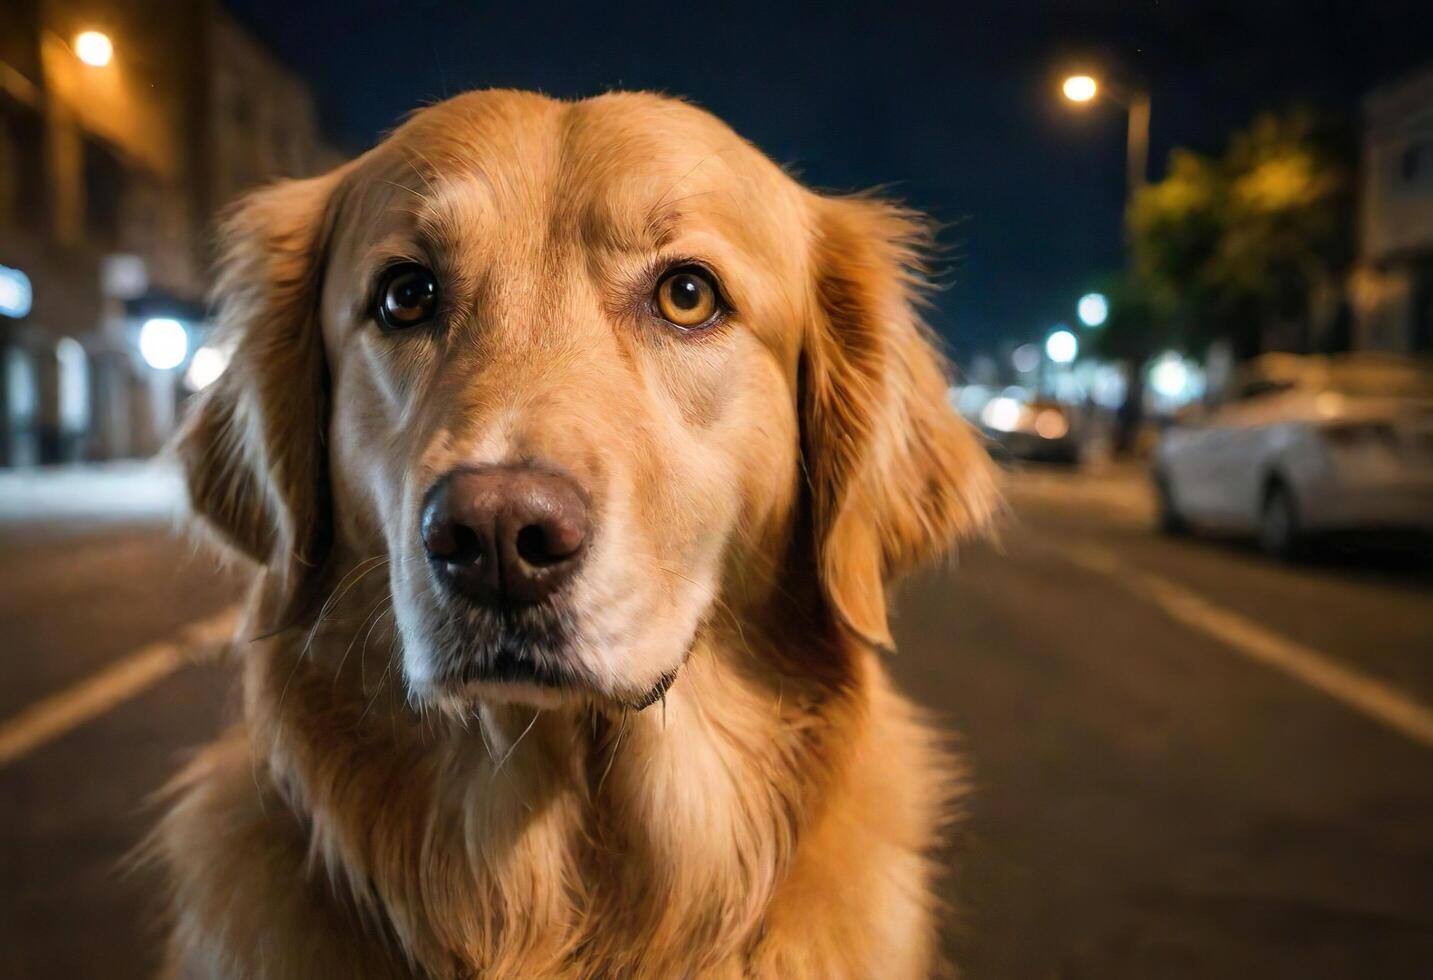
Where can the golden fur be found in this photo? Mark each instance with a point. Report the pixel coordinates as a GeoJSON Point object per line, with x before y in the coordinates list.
{"type": "Point", "coordinates": [757, 487]}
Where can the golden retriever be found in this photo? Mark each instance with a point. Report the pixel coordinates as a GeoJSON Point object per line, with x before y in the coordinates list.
{"type": "Point", "coordinates": [577, 443]}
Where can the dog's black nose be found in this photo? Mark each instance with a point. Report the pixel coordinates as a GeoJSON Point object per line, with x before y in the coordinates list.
{"type": "Point", "coordinates": [505, 534]}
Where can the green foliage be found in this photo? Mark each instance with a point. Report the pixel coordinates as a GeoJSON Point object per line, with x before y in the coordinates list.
{"type": "Point", "coordinates": [1134, 330]}
{"type": "Point", "coordinates": [1225, 247]}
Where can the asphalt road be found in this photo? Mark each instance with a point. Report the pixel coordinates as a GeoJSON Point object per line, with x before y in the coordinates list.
{"type": "Point", "coordinates": [1186, 761]}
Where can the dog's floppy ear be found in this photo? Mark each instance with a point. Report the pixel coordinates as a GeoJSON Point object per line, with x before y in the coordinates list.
{"type": "Point", "coordinates": [895, 475]}
{"type": "Point", "coordinates": [252, 445]}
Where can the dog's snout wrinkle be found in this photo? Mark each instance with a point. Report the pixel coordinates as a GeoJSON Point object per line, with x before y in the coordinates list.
{"type": "Point", "coordinates": [505, 535]}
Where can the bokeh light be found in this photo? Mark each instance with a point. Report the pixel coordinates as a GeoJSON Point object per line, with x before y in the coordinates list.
{"type": "Point", "coordinates": [1093, 309]}
{"type": "Point", "coordinates": [1080, 88]}
{"type": "Point", "coordinates": [163, 343]}
{"type": "Point", "coordinates": [94, 48]}
{"type": "Point", "coordinates": [1062, 347]}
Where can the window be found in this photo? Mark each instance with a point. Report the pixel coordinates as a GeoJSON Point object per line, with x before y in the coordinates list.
{"type": "Point", "coordinates": [22, 170]}
{"type": "Point", "coordinates": [104, 191]}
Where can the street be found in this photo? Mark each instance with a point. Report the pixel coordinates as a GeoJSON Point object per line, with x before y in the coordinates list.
{"type": "Point", "coordinates": [1186, 760]}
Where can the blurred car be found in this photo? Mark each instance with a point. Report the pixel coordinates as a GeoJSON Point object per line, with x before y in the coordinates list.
{"type": "Point", "coordinates": [1037, 429]}
{"type": "Point", "coordinates": [1307, 446]}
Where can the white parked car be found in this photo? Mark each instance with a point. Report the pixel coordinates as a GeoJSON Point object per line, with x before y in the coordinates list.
{"type": "Point", "coordinates": [1306, 446]}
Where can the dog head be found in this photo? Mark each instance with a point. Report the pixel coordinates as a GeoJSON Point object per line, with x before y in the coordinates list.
{"type": "Point", "coordinates": [586, 374]}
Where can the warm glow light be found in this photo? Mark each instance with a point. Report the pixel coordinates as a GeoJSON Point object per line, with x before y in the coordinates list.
{"type": "Point", "coordinates": [1080, 88]}
{"type": "Point", "coordinates": [1002, 414]}
{"type": "Point", "coordinates": [1093, 309]}
{"type": "Point", "coordinates": [1051, 424]}
{"type": "Point", "coordinates": [1062, 347]}
{"type": "Point", "coordinates": [93, 48]}
{"type": "Point", "coordinates": [163, 343]}
{"type": "Point", "coordinates": [1329, 404]}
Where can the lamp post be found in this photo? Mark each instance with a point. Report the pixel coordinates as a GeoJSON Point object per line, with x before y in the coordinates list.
{"type": "Point", "coordinates": [1084, 89]}
{"type": "Point", "coordinates": [1081, 90]}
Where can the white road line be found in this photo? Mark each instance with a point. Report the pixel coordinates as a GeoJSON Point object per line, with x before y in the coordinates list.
{"type": "Point", "coordinates": [63, 711]}
{"type": "Point", "coordinates": [1373, 698]}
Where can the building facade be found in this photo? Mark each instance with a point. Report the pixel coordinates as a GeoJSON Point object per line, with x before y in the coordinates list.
{"type": "Point", "coordinates": [111, 171]}
{"type": "Point", "coordinates": [1393, 286]}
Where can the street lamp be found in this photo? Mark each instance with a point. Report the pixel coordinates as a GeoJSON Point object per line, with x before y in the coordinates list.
{"type": "Point", "coordinates": [1082, 89]}
{"type": "Point", "coordinates": [93, 48]}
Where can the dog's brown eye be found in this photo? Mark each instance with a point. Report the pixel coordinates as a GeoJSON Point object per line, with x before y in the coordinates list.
{"type": "Point", "coordinates": [686, 298]}
{"type": "Point", "coordinates": [407, 296]}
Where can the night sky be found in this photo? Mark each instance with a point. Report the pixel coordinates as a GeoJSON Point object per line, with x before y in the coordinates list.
{"type": "Point", "coordinates": [954, 108]}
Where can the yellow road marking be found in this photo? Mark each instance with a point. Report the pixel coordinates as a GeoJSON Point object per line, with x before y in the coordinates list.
{"type": "Point", "coordinates": [66, 710]}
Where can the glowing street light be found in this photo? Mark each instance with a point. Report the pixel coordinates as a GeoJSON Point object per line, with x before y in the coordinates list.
{"type": "Point", "coordinates": [1062, 347]}
{"type": "Point", "coordinates": [163, 343]}
{"type": "Point", "coordinates": [93, 48]}
{"type": "Point", "coordinates": [1093, 309]}
{"type": "Point", "coordinates": [1080, 88]}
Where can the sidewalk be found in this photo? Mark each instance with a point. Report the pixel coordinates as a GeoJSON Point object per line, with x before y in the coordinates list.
{"type": "Point", "coordinates": [131, 491]}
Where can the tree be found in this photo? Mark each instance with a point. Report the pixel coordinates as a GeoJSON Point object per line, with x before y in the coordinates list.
{"type": "Point", "coordinates": [1236, 247]}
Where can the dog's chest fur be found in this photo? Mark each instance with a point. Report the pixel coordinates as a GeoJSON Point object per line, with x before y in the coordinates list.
{"type": "Point", "coordinates": [726, 836]}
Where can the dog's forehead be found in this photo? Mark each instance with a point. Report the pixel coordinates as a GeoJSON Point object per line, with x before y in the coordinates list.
{"type": "Point", "coordinates": [622, 169]}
